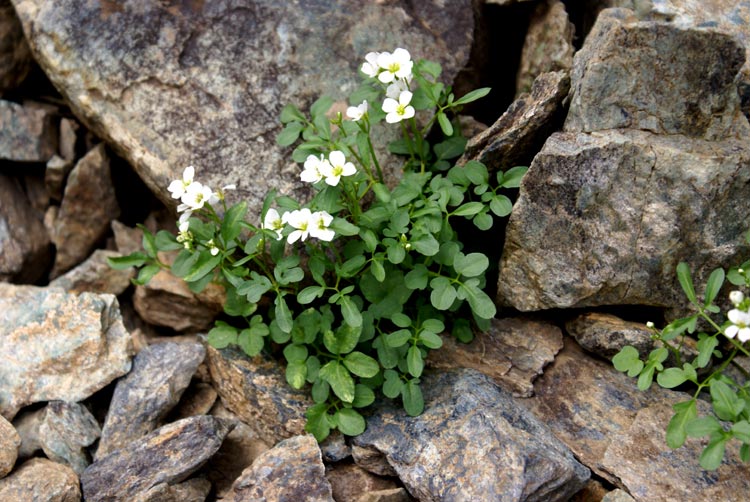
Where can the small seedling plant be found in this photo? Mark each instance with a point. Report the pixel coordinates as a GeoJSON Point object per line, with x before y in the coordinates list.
{"type": "Point", "coordinates": [707, 373]}
{"type": "Point", "coordinates": [355, 286]}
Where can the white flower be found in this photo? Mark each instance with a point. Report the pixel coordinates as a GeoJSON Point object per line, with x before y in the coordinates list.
{"type": "Point", "coordinates": [300, 220]}
{"type": "Point", "coordinates": [272, 221]}
{"type": "Point", "coordinates": [740, 326]}
{"type": "Point", "coordinates": [357, 112]}
{"type": "Point", "coordinates": [336, 167]}
{"type": "Point", "coordinates": [398, 110]}
{"type": "Point", "coordinates": [178, 187]}
{"type": "Point", "coordinates": [220, 194]}
{"type": "Point", "coordinates": [184, 217]}
{"type": "Point", "coordinates": [212, 247]}
{"type": "Point", "coordinates": [312, 171]}
{"type": "Point", "coordinates": [185, 237]}
{"type": "Point", "coordinates": [650, 325]}
{"type": "Point", "coordinates": [396, 65]}
{"type": "Point", "coordinates": [736, 297]}
{"type": "Point", "coordinates": [370, 66]}
{"type": "Point", "coordinates": [395, 89]}
{"type": "Point", "coordinates": [196, 195]}
{"type": "Point", "coordinates": [319, 222]}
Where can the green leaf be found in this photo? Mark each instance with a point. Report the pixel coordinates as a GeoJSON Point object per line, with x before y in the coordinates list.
{"type": "Point", "coordinates": [501, 205]}
{"type": "Point", "coordinates": [443, 293]}
{"type": "Point", "coordinates": [320, 106]}
{"type": "Point", "coordinates": [132, 260]}
{"type": "Point", "coordinates": [472, 96]}
{"type": "Point", "coordinates": [283, 315]}
{"type": "Point", "coordinates": [343, 340]}
{"type": "Point", "coordinates": [713, 454]}
{"type": "Point", "coordinates": [683, 275]}
{"type": "Point", "coordinates": [340, 380]}
{"type": "Point", "coordinates": [417, 278]}
{"type": "Point", "coordinates": [222, 335]}
{"type": "Point", "coordinates": [745, 452]}
{"type": "Point", "coordinates": [294, 353]}
{"type": "Point", "coordinates": [685, 412]}
{"type": "Point", "coordinates": [392, 385]}
{"type": "Point", "coordinates": [414, 361]}
{"type": "Point", "coordinates": [512, 177]}
{"type": "Point", "coordinates": [480, 303]}
{"type": "Point", "coordinates": [395, 253]}
{"type": "Point", "coordinates": [343, 227]}
{"type": "Point", "coordinates": [483, 221]}
{"type": "Point", "coordinates": [363, 396]}
{"type": "Point", "coordinates": [430, 340]}
{"type": "Point", "coordinates": [236, 305]}
{"type": "Point", "coordinates": [290, 113]}
{"type": "Point", "coordinates": [450, 148]}
{"type": "Point", "coordinates": [741, 430]}
{"type": "Point", "coordinates": [679, 326]}
{"type": "Point", "coordinates": [398, 338]}
{"type": "Point", "coordinates": [471, 265]}
{"type": "Point", "coordinates": [146, 273]}
{"type": "Point", "coordinates": [165, 241]}
{"type": "Point", "coordinates": [445, 124]}
{"type": "Point", "coordinates": [411, 397]}
{"type": "Point", "coordinates": [350, 267]}
{"type": "Point", "coordinates": [309, 294]}
{"type": "Point", "coordinates": [251, 341]}
{"type": "Point", "coordinates": [377, 270]}
{"type": "Point", "coordinates": [361, 365]}
{"type": "Point", "coordinates": [296, 374]}
{"type": "Point", "coordinates": [289, 134]}
{"type": "Point", "coordinates": [671, 378]}
{"type": "Point", "coordinates": [255, 288]}
{"type": "Point", "coordinates": [706, 346]}
{"type": "Point", "coordinates": [426, 245]}
{"type": "Point", "coordinates": [715, 280]}
{"type": "Point", "coordinates": [401, 320]}
{"type": "Point", "coordinates": [231, 226]}
{"type": "Point", "coordinates": [468, 209]}
{"type": "Point", "coordinates": [350, 311]}
{"type": "Point", "coordinates": [628, 360]}
{"type": "Point", "coordinates": [702, 426]}
{"type": "Point", "coordinates": [205, 264]}
{"type": "Point", "coordinates": [382, 193]}
{"type": "Point", "coordinates": [350, 422]}
{"type": "Point", "coordinates": [317, 421]}
{"type": "Point", "coordinates": [724, 400]}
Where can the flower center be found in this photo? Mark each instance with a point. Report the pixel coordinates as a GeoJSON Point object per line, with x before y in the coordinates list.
{"type": "Point", "coordinates": [394, 67]}
{"type": "Point", "coordinates": [401, 110]}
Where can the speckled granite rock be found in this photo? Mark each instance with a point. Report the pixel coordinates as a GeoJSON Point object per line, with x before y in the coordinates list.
{"type": "Point", "coordinates": [10, 441]}
{"type": "Point", "coordinates": [27, 133]}
{"type": "Point", "coordinates": [65, 431]}
{"type": "Point", "coordinates": [41, 479]}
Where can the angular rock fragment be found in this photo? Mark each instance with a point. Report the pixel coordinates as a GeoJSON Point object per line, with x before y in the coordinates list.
{"type": "Point", "coordinates": [15, 57]}
{"type": "Point", "coordinates": [605, 334]}
{"type": "Point", "coordinates": [27, 133]}
{"type": "Point", "coordinates": [512, 352]}
{"type": "Point", "coordinates": [55, 175]}
{"type": "Point", "coordinates": [291, 470]}
{"type": "Point", "coordinates": [392, 495]}
{"type": "Point", "coordinates": [58, 346]}
{"type": "Point", "coordinates": [10, 442]}
{"type": "Point", "coordinates": [66, 429]}
{"type": "Point", "coordinates": [41, 479]}
{"type": "Point", "coordinates": [95, 276]}
{"type": "Point", "coordinates": [349, 482]}
{"type": "Point", "coordinates": [25, 250]}
{"type": "Point", "coordinates": [198, 399]}
{"type": "Point", "coordinates": [160, 374]}
{"type": "Point", "coordinates": [85, 214]}
{"type": "Point", "coordinates": [168, 455]}
{"type": "Point", "coordinates": [257, 392]}
{"type": "Point", "coordinates": [192, 490]}
{"type": "Point", "coordinates": [472, 442]}
{"type": "Point", "coordinates": [68, 139]}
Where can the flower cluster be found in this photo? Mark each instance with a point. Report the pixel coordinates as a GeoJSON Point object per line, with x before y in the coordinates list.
{"type": "Point", "coordinates": [394, 69]}
{"type": "Point", "coordinates": [331, 169]}
{"type": "Point", "coordinates": [304, 222]}
{"type": "Point", "coordinates": [739, 316]}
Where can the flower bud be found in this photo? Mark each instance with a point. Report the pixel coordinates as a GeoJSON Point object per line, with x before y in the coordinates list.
{"type": "Point", "coordinates": [650, 325]}
{"type": "Point", "coordinates": [736, 297]}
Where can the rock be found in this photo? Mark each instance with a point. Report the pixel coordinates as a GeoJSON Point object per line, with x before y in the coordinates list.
{"type": "Point", "coordinates": [605, 334]}
{"type": "Point", "coordinates": [55, 176]}
{"type": "Point", "coordinates": [521, 131]}
{"type": "Point", "coordinates": [36, 192]}
{"type": "Point", "coordinates": [548, 46]}
{"type": "Point", "coordinates": [614, 232]}
{"type": "Point", "coordinates": [619, 75]}
{"type": "Point", "coordinates": [27, 425]}
{"type": "Point", "coordinates": [66, 429]}
{"type": "Point", "coordinates": [167, 301]}
{"type": "Point", "coordinates": [85, 214]}
{"type": "Point", "coordinates": [392, 495]}
{"type": "Point", "coordinates": [649, 470]}
{"type": "Point", "coordinates": [474, 443]}
{"type": "Point", "coordinates": [512, 352]}
{"type": "Point", "coordinates": [203, 83]}
{"type": "Point", "coordinates": [10, 442]}
{"type": "Point", "coordinates": [198, 399]}
{"type": "Point", "coordinates": [127, 239]}
{"type": "Point", "coordinates": [41, 479]}
{"type": "Point", "coordinates": [349, 482]}
{"type": "Point", "coordinates": [68, 139]}
{"type": "Point", "coordinates": [95, 276]}
{"type": "Point", "coordinates": [334, 448]}
{"type": "Point", "coordinates": [291, 470]}
{"type": "Point", "coordinates": [25, 249]}
{"type": "Point", "coordinates": [141, 400]}
{"type": "Point", "coordinates": [593, 491]}
{"type": "Point", "coordinates": [238, 451]}
{"type": "Point", "coordinates": [27, 133]}
{"type": "Point", "coordinates": [15, 57]}
{"type": "Point", "coordinates": [58, 346]}
{"type": "Point", "coordinates": [372, 460]}
{"type": "Point", "coordinates": [618, 495]}
{"type": "Point", "coordinates": [192, 490]}
{"type": "Point", "coordinates": [256, 391]}
{"type": "Point", "coordinates": [168, 455]}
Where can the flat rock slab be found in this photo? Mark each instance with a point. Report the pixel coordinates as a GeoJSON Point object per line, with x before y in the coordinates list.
{"type": "Point", "coordinates": [167, 455]}
{"type": "Point", "coordinates": [41, 479]}
{"type": "Point", "coordinates": [257, 392]}
{"type": "Point", "coordinates": [291, 470]}
{"type": "Point", "coordinates": [202, 83]}
{"type": "Point", "coordinates": [160, 374]}
{"type": "Point", "coordinates": [10, 442]}
{"type": "Point", "coordinates": [96, 276]}
{"type": "Point", "coordinates": [58, 346]}
{"type": "Point", "coordinates": [27, 133]}
{"type": "Point", "coordinates": [472, 443]}
{"type": "Point", "coordinates": [513, 352]}
{"type": "Point", "coordinates": [604, 218]}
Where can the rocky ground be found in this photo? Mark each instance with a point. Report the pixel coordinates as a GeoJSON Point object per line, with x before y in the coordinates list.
{"type": "Point", "coordinates": [634, 120]}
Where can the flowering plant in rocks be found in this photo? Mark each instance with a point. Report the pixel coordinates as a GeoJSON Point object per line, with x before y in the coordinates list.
{"type": "Point", "coordinates": [707, 375]}
{"type": "Point", "coordinates": [354, 286]}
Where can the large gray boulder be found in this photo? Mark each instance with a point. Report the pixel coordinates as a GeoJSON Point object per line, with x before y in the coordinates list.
{"type": "Point", "coordinates": [203, 83]}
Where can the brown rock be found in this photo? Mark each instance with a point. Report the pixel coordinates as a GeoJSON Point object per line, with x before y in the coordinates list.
{"type": "Point", "coordinates": [127, 239]}
{"type": "Point", "coordinates": [512, 352]}
{"type": "Point", "coordinates": [392, 495]}
{"type": "Point", "coordinates": [58, 346]}
{"type": "Point", "coordinates": [25, 250]}
{"type": "Point", "coordinates": [85, 213]}
{"type": "Point", "coordinates": [68, 139]}
{"type": "Point", "coordinates": [65, 430]}
{"type": "Point", "coordinates": [41, 479]}
{"type": "Point", "coordinates": [10, 442]}
{"type": "Point", "coordinates": [548, 46]}
{"type": "Point", "coordinates": [27, 133]}
{"type": "Point", "coordinates": [256, 391]}
{"type": "Point", "coordinates": [291, 470]}
{"type": "Point", "coordinates": [15, 56]}
{"type": "Point", "coordinates": [349, 482]}
{"type": "Point", "coordinates": [198, 399]}
{"type": "Point", "coordinates": [27, 425]}
{"type": "Point", "coordinates": [95, 276]}
{"type": "Point", "coordinates": [192, 490]}
{"type": "Point", "coordinates": [372, 460]}
{"type": "Point", "coordinates": [605, 334]}
{"type": "Point", "coordinates": [55, 176]}
{"type": "Point", "coordinates": [618, 495]}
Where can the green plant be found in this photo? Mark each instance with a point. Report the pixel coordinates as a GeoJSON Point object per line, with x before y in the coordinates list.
{"type": "Point", "coordinates": [730, 399]}
{"type": "Point", "coordinates": [355, 286]}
